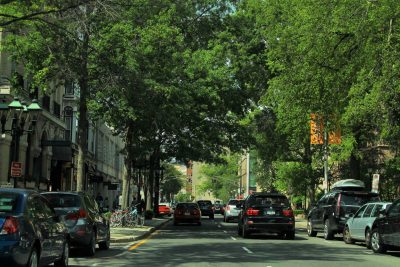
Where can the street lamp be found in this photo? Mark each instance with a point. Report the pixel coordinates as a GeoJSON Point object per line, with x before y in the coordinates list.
{"type": "Point", "coordinates": [19, 114]}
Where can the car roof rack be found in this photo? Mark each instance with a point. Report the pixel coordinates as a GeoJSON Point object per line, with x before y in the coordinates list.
{"type": "Point", "coordinates": [348, 184]}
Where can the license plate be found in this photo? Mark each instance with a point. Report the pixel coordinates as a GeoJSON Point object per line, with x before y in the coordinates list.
{"type": "Point", "coordinates": [187, 213]}
{"type": "Point", "coordinates": [270, 212]}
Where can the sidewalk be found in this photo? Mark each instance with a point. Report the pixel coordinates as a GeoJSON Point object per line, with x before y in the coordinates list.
{"type": "Point", "coordinates": [301, 224]}
{"type": "Point", "coordinates": [125, 234]}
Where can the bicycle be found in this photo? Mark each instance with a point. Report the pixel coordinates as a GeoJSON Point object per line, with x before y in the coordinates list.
{"type": "Point", "coordinates": [129, 217]}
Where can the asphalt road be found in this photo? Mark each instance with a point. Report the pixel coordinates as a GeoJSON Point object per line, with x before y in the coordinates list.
{"type": "Point", "coordinates": [216, 243]}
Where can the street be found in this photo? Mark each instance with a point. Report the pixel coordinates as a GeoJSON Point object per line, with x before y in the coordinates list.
{"type": "Point", "coordinates": [216, 243]}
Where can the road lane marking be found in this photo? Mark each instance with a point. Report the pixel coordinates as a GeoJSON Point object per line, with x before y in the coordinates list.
{"type": "Point", "coordinates": [225, 232]}
{"type": "Point", "coordinates": [233, 238]}
{"type": "Point", "coordinates": [369, 252]}
{"type": "Point", "coordinates": [143, 241]}
{"type": "Point", "coordinates": [247, 250]}
{"type": "Point", "coordinates": [219, 226]}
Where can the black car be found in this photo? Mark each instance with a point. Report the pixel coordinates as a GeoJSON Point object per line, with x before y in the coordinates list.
{"type": "Point", "coordinates": [334, 208]}
{"type": "Point", "coordinates": [266, 212]}
{"type": "Point", "coordinates": [206, 208]}
{"type": "Point", "coordinates": [386, 229]}
{"type": "Point", "coordinates": [86, 225]}
{"type": "Point", "coordinates": [31, 234]}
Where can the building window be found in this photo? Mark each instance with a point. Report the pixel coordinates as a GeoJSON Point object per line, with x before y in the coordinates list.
{"type": "Point", "coordinates": [69, 87]}
{"type": "Point", "coordinates": [68, 112]}
{"type": "Point", "coordinates": [46, 102]}
{"type": "Point", "coordinates": [56, 109]}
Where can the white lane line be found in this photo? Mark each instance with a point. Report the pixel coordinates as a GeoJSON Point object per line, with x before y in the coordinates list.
{"type": "Point", "coordinates": [369, 252]}
{"type": "Point", "coordinates": [247, 250]}
{"type": "Point", "coordinates": [219, 226]}
{"type": "Point", "coordinates": [225, 232]}
{"type": "Point", "coordinates": [233, 238]}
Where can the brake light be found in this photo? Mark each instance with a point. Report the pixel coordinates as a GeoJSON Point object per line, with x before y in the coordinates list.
{"type": "Point", "coordinates": [287, 213]}
{"type": "Point", "coordinates": [196, 212]}
{"type": "Point", "coordinates": [252, 212]}
{"type": "Point", "coordinates": [338, 205]}
{"type": "Point", "coordinates": [76, 215]}
{"type": "Point", "coordinates": [10, 226]}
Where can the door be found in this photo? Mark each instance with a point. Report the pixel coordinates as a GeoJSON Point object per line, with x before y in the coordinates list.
{"type": "Point", "coordinates": [392, 227]}
{"type": "Point", "coordinates": [42, 227]}
{"type": "Point", "coordinates": [96, 217]}
{"type": "Point", "coordinates": [358, 225]}
{"type": "Point", "coordinates": [317, 217]}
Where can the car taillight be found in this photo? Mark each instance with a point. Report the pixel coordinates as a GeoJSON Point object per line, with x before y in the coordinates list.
{"type": "Point", "coordinates": [195, 212]}
{"type": "Point", "coordinates": [76, 215]}
{"type": "Point", "coordinates": [10, 226]}
{"type": "Point", "coordinates": [338, 205]}
{"type": "Point", "coordinates": [287, 213]}
{"type": "Point", "coordinates": [252, 212]}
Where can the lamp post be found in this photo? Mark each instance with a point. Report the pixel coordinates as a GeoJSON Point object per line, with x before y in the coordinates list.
{"type": "Point", "coordinates": [19, 114]}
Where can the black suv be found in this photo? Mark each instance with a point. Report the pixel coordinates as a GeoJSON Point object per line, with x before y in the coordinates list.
{"type": "Point", "coordinates": [386, 229]}
{"type": "Point", "coordinates": [206, 208]}
{"type": "Point", "coordinates": [334, 208]}
{"type": "Point", "coordinates": [266, 212]}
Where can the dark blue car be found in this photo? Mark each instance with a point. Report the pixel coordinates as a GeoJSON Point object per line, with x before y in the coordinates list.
{"type": "Point", "coordinates": [31, 234]}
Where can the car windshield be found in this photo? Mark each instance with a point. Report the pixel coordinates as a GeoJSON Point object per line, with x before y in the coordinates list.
{"type": "Point", "coordinates": [204, 203]}
{"type": "Point", "coordinates": [63, 200]}
{"type": "Point", "coordinates": [8, 202]}
{"type": "Point", "coordinates": [357, 199]}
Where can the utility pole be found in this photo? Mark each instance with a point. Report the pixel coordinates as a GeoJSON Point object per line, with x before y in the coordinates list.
{"type": "Point", "coordinates": [326, 143]}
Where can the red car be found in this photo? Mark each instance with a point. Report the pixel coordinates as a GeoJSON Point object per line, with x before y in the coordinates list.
{"type": "Point", "coordinates": [164, 209]}
{"type": "Point", "coordinates": [187, 212]}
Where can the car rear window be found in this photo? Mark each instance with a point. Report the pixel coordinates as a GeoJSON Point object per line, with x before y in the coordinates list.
{"type": "Point", "coordinates": [234, 202]}
{"type": "Point", "coordinates": [268, 201]}
{"type": "Point", "coordinates": [357, 199]}
{"type": "Point", "coordinates": [63, 200]}
{"type": "Point", "coordinates": [8, 201]}
{"type": "Point", "coordinates": [204, 203]}
{"type": "Point", "coordinates": [187, 206]}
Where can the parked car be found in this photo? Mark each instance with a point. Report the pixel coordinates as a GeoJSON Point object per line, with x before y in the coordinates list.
{"type": "Point", "coordinates": [218, 208]}
{"type": "Point", "coordinates": [266, 212]}
{"type": "Point", "coordinates": [187, 212]}
{"type": "Point", "coordinates": [359, 225]}
{"type": "Point", "coordinates": [87, 227]}
{"type": "Point", "coordinates": [231, 210]}
{"type": "Point", "coordinates": [164, 209]}
{"type": "Point", "coordinates": [385, 233]}
{"type": "Point", "coordinates": [333, 209]}
{"type": "Point", "coordinates": [206, 208]}
{"type": "Point", "coordinates": [31, 233]}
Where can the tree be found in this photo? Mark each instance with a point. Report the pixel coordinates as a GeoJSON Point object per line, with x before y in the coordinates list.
{"type": "Point", "coordinates": [172, 182]}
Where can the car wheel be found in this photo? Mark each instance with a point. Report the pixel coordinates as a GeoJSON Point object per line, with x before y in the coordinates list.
{"type": "Point", "coordinates": [105, 244]}
{"type": "Point", "coordinates": [91, 249]}
{"type": "Point", "coordinates": [290, 235]}
{"type": "Point", "coordinates": [346, 236]}
{"type": "Point", "coordinates": [328, 234]}
{"type": "Point", "coordinates": [376, 242]}
{"type": "Point", "coordinates": [63, 261]}
{"type": "Point", "coordinates": [34, 258]}
{"type": "Point", "coordinates": [310, 230]}
{"type": "Point", "coordinates": [368, 238]}
{"type": "Point", "coordinates": [245, 232]}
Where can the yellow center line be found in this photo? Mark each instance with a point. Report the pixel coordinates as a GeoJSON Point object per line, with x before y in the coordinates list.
{"type": "Point", "coordinates": [143, 241]}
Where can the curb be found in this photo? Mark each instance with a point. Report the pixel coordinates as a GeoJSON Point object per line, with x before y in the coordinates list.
{"type": "Point", "coordinates": [139, 237]}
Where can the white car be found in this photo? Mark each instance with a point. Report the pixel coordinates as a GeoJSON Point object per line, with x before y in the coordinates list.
{"type": "Point", "coordinates": [358, 226]}
{"type": "Point", "coordinates": [231, 210]}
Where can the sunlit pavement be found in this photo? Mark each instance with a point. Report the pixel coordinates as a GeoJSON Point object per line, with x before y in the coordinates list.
{"type": "Point", "coordinates": [216, 243]}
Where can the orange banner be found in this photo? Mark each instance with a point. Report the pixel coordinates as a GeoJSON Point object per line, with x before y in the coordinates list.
{"type": "Point", "coordinates": [317, 131]}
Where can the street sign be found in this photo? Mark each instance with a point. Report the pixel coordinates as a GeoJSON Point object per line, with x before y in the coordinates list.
{"type": "Point", "coordinates": [375, 183]}
{"type": "Point", "coordinates": [16, 169]}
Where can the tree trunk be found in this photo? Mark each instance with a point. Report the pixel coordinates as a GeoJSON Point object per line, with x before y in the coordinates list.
{"type": "Point", "coordinates": [83, 122]}
{"type": "Point", "coordinates": [150, 185]}
{"type": "Point", "coordinates": [157, 183]}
